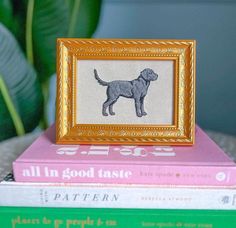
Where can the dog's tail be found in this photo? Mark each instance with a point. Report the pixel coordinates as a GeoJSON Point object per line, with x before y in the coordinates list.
{"type": "Point", "coordinates": [100, 81]}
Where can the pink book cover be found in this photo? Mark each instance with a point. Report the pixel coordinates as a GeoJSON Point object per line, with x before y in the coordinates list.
{"type": "Point", "coordinates": [203, 164]}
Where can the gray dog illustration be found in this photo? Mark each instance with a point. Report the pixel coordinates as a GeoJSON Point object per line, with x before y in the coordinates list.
{"type": "Point", "coordinates": [136, 89]}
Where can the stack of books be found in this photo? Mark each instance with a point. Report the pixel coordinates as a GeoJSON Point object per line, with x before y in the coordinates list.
{"type": "Point", "coordinates": [120, 186]}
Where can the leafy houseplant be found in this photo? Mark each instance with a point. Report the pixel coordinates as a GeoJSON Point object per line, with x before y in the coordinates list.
{"type": "Point", "coordinates": [28, 32]}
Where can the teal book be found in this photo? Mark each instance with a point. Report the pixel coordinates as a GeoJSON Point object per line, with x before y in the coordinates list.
{"type": "Point", "coordinates": [19, 217]}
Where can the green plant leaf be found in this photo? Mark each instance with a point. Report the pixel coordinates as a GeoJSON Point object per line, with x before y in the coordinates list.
{"type": "Point", "coordinates": [21, 99]}
{"type": "Point", "coordinates": [50, 21]}
{"type": "Point", "coordinates": [53, 19]}
{"type": "Point", "coordinates": [18, 21]}
{"type": "Point", "coordinates": [12, 15]}
{"type": "Point", "coordinates": [84, 17]}
{"type": "Point", "coordinates": [6, 12]}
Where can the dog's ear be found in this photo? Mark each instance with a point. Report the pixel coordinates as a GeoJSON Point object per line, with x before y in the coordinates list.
{"type": "Point", "coordinates": [144, 74]}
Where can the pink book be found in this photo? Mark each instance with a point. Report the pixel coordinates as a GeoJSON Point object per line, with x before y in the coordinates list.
{"type": "Point", "coordinates": [203, 164]}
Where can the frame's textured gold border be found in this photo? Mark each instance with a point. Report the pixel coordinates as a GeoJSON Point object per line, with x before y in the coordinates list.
{"type": "Point", "coordinates": [180, 133]}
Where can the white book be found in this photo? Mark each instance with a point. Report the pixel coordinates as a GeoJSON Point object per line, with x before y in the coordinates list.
{"type": "Point", "coordinates": [115, 196]}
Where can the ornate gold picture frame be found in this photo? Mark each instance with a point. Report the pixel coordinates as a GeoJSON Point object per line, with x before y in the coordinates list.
{"type": "Point", "coordinates": [93, 73]}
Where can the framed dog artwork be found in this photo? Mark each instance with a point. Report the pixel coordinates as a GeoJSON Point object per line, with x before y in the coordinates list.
{"type": "Point", "coordinates": [117, 91]}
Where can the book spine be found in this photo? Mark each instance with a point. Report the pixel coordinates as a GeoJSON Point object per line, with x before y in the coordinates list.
{"type": "Point", "coordinates": [113, 196]}
{"type": "Point", "coordinates": [118, 218]}
{"type": "Point", "coordinates": [125, 174]}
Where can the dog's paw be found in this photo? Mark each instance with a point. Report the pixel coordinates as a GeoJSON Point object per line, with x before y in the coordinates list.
{"type": "Point", "coordinates": [105, 114]}
{"type": "Point", "coordinates": [144, 113]}
{"type": "Point", "coordinates": [112, 113]}
{"type": "Point", "coordinates": [139, 114]}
